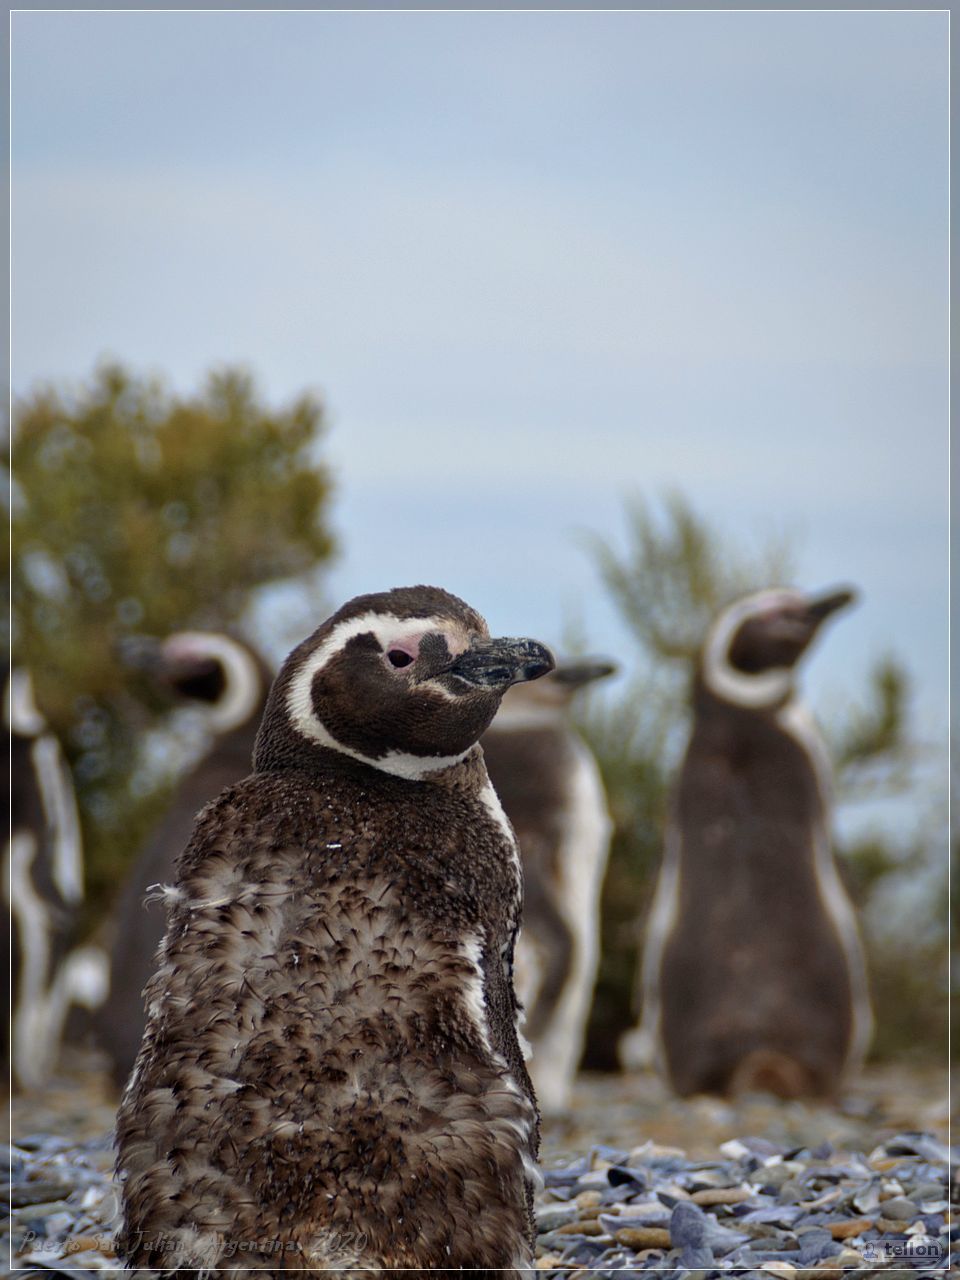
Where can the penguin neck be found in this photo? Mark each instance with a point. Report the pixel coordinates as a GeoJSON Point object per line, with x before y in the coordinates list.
{"type": "Point", "coordinates": [321, 764]}
{"type": "Point", "coordinates": [712, 698]}
{"type": "Point", "coordinates": [767, 690]}
{"type": "Point", "coordinates": [237, 743]}
{"type": "Point", "coordinates": [469, 777]}
{"type": "Point", "coordinates": [723, 720]}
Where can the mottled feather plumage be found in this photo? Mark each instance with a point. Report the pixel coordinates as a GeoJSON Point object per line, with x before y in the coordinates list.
{"type": "Point", "coordinates": [331, 1060]}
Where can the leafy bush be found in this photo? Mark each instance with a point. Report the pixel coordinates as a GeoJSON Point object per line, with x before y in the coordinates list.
{"type": "Point", "coordinates": [137, 511]}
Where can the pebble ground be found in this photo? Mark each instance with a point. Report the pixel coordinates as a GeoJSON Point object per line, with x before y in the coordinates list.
{"type": "Point", "coordinates": [634, 1181]}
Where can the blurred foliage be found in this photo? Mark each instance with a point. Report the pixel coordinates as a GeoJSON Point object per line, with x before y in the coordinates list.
{"type": "Point", "coordinates": [871, 750]}
{"type": "Point", "coordinates": [675, 575]}
{"type": "Point", "coordinates": [137, 511]}
{"type": "Point", "coordinates": [631, 742]}
{"type": "Point", "coordinates": [900, 890]}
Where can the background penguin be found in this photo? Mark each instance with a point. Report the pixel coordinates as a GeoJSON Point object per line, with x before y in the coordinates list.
{"type": "Point", "coordinates": [43, 889]}
{"type": "Point", "coordinates": [753, 972]}
{"type": "Point", "coordinates": [550, 786]}
{"type": "Point", "coordinates": [231, 681]}
{"type": "Point", "coordinates": [331, 1066]}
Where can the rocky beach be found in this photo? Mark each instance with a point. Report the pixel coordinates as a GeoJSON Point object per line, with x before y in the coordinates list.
{"type": "Point", "coordinates": [634, 1180]}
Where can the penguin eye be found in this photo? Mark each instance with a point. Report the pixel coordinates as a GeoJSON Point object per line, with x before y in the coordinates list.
{"type": "Point", "coordinates": [399, 658]}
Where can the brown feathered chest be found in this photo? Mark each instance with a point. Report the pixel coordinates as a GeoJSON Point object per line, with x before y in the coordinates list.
{"type": "Point", "coordinates": [331, 1070]}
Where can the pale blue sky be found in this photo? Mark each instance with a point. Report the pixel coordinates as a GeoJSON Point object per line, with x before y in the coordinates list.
{"type": "Point", "coordinates": [532, 262]}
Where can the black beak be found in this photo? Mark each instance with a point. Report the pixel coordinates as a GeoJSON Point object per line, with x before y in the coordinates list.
{"type": "Point", "coordinates": [140, 653]}
{"type": "Point", "coordinates": [821, 607]}
{"type": "Point", "coordinates": [497, 664]}
{"type": "Point", "coordinates": [581, 672]}
{"type": "Point", "coordinates": [188, 675]}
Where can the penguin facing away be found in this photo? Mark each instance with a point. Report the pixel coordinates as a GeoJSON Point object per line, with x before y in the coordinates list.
{"type": "Point", "coordinates": [331, 1074]}
{"type": "Point", "coordinates": [230, 681]}
{"type": "Point", "coordinates": [753, 974]}
{"type": "Point", "coordinates": [550, 786]}
{"type": "Point", "coordinates": [43, 891]}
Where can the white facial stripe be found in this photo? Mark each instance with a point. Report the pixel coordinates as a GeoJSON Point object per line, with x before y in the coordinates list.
{"type": "Point", "coordinates": [60, 808]}
{"type": "Point", "coordinates": [55, 785]}
{"type": "Point", "coordinates": [660, 925]}
{"type": "Point", "coordinates": [440, 690]}
{"type": "Point", "coordinates": [766, 687]}
{"type": "Point", "coordinates": [243, 686]}
{"type": "Point", "coordinates": [22, 713]}
{"type": "Point", "coordinates": [388, 630]}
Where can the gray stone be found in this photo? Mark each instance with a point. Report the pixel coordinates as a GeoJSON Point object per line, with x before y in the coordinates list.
{"type": "Point", "coordinates": [691, 1261]}
{"type": "Point", "coordinates": [595, 1180]}
{"type": "Point", "coordinates": [765, 1213]}
{"type": "Point", "coordinates": [565, 1177]}
{"type": "Point", "coordinates": [688, 1225]}
{"type": "Point", "coordinates": [763, 1147]}
{"type": "Point", "coordinates": [898, 1209]}
{"type": "Point", "coordinates": [929, 1190]}
{"type": "Point", "coordinates": [868, 1198]}
{"type": "Point", "coordinates": [551, 1216]}
{"type": "Point", "coordinates": [43, 1143]}
{"type": "Point", "coordinates": [812, 1243]}
{"type": "Point", "coordinates": [921, 1144]}
{"type": "Point", "coordinates": [790, 1192]}
{"type": "Point", "coordinates": [619, 1175]}
{"type": "Point", "coordinates": [649, 1215]}
{"type": "Point", "coordinates": [613, 1155]}
{"type": "Point", "coordinates": [774, 1175]}
{"type": "Point", "coordinates": [36, 1193]}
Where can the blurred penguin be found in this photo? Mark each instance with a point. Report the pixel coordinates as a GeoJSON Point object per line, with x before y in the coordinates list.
{"type": "Point", "coordinates": [43, 889]}
{"type": "Point", "coordinates": [230, 681]}
{"type": "Point", "coordinates": [753, 974]}
{"type": "Point", "coordinates": [550, 787]}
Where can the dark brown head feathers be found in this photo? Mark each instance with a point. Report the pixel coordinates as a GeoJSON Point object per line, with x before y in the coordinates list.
{"type": "Point", "coordinates": [411, 602]}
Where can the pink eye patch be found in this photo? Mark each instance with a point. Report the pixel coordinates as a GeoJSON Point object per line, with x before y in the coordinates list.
{"type": "Point", "coordinates": [402, 653]}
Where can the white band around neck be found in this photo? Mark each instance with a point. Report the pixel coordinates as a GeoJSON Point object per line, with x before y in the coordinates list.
{"type": "Point", "coordinates": [765, 688]}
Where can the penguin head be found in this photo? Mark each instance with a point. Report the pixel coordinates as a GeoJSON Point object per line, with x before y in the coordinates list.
{"type": "Point", "coordinates": [405, 681]}
{"type": "Point", "coordinates": [207, 667]}
{"type": "Point", "coordinates": [755, 643]}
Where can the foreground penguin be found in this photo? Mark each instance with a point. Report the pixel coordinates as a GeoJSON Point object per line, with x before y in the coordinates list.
{"type": "Point", "coordinates": [43, 893]}
{"type": "Point", "coordinates": [230, 681]}
{"type": "Point", "coordinates": [550, 787]}
{"type": "Point", "coordinates": [753, 972]}
{"type": "Point", "coordinates": [331, 1075]}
